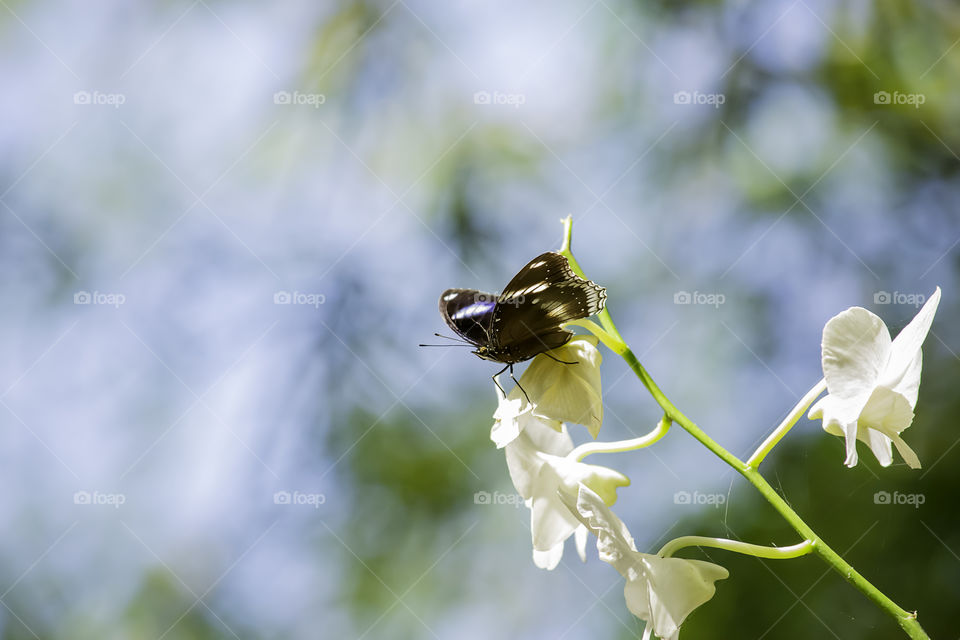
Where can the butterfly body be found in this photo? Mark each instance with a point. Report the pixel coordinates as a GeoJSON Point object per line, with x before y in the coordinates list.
{"type": "Point", "coordinates": [526, 318]}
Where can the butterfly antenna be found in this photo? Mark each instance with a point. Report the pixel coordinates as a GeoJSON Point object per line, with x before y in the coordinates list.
{"type": "Point", "coordinates": [440, 335]}
{"type": "Point", "coordinates": [444, 345]}
{"type": "Point", "coordinates": [464, 342]}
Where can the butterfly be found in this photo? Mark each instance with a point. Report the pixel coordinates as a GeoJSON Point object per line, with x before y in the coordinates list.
{"type": "Point", "coordinates": [526, 318]}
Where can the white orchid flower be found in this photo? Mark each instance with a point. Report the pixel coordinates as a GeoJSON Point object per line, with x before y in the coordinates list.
{"type": "Point", "coordinates": [567, 392]}
{"type": "Point", "coordinates": [660, 591]}
{"type": "Point", "coordinates": [872, 381]}
{"type": "Point", "coordinates": [538, 466]}
{"type": "Point", "coordinates": [512, 417]}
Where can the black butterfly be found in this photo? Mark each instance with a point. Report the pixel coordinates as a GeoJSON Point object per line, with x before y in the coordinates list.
{"type": "Point", "coordinates": [525, 319]}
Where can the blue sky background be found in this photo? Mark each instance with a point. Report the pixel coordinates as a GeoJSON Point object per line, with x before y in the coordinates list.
{"type": "Point", "coordinates": [185, 165]}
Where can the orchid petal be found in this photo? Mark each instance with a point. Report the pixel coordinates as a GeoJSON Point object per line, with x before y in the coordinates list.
{"type": "Point", "coordinates": [872, 382]}
{"type": "Point", "coordinates": [902, 372]}
{"type": "Point", "coordinates": [661, 591]}
{"type": "Point", "coordinates": [856, 347]}
{"type": "Point", "coordinates": [523, 454]}
{"type": "Point", "coordinates": [548, 559]}
{"type": "Point", "coordinates": [669, 591]}
{"type": "Point", "coordinates": [568, 392]}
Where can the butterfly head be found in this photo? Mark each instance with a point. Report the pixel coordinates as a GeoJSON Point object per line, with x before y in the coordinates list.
{"type": "Point", "coordinates": [485, 352]}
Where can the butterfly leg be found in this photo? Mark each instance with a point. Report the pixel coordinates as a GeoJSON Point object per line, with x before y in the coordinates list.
{"type": "Point", "coordinates": [497, 382]}
{"type": "Point", "coordinates": [518, 385]}
{"type": "Point", "coordinates": [547, 353]}
{"type": "Point", "coordinates": [517, 382]}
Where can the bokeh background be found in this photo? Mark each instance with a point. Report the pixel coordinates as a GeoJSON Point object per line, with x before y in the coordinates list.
{"type": "Point", "coordinates": [224, 227]}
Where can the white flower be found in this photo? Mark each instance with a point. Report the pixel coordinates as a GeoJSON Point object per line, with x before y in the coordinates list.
{"type": "Point", "coordinates": [872, 382]}
{"type": "Point", "coordinates": [660, 591]}
{"type": "Point", "coordinates": [537, 443]}
{"type": "Point", "coordinates": [513, 415]}
{"type": "Point", "coordinates": [567, 392]}
{"type": "Point", "coordinates": [538, 467]}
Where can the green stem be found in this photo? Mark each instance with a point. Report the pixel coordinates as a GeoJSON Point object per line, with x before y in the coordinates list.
{"type": "Point", "coordinates": [604, 316]}
{"type": "Point", "coordinates": [589, 448]}
{"type": "Point", "coordinates": [614, 344]}
{"type": "Point", "coordinates": [787, 424]}
{"type": "Point", "coordinates": [907, 620]}
{"type": "Point", "coordinates": [759, 551]}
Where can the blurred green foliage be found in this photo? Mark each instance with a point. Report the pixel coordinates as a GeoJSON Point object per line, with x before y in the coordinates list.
{"type": "Point", "coordinates": [901, 46]}
{"type": "Point", "coordinates": [404, 481]}
{"type": "Point", "coordinates": [906, 551]}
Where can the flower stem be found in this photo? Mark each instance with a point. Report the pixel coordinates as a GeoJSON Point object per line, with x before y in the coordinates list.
{"type": "Point", "coordinates": [759, 551]}
{"type": "Point", "coordinates": [589, 448]}
{"type": "Point", "coordinates": [614, 344]}
{"type": "Point", "coordinates": [567, 252]}
{"type": "Point", "coordinates": [907, 620]}
{"type": "Point", "coordinates": [787, 424]}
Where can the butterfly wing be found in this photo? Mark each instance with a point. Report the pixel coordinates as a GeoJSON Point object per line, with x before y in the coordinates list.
{"type": "Point", "coordinates": [542, 296]}
{"type": "Point", "coordinates": [469, 313]}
